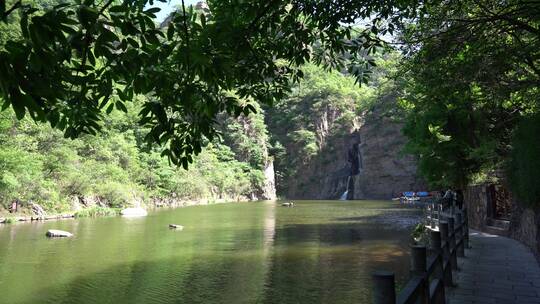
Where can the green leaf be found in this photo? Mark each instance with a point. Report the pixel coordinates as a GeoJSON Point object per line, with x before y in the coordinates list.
{"type": "Point", "coordinates": [62, 123]}
{"type": "Point", "coordinates": [18, 105]}
{"type": "Point", "coordinates": [5, 105]}
{"type": "Point", "coordinates": [152, 10]}
{"type": "Point", "coordinates": [110, 108]}
{"type": "Point", "coordinates": [170, 31]}
{"type": "Point", "coordinates": [31, 105]}
{"type": "Point", "coordinates": [117, 9]}
{"type": "Point", "coordinates": [251, 108]}
{"type": "Point", "coordinates": [151, 37]}
{"type": "Point", "coordinates": [203, 20]}
{"type": "Point", "coordinates": [87, 15]}
{"type": "Point", "coordinates": [122, 95]}
{"type": "Point", "coordinates": [185, 163]}
{"type": "Point", "coordinates": [53, 118]}
{"type": "Point", "coordinates": [24, 25]}
{"type": "Point", "coordinates": [133, 42]}
{"type": "Point", "coordinates": [139, 84]}
{"type": "Point", "coordinates": [166, 152]}
{"type": "Point", "coordinates": [108, 35]}
{"type": "Point", "coordinates": [120, 106]}
{"type": "Point", "coordinates": [91, 57]}
{"type": "Point", "coordinates": [3, 9]}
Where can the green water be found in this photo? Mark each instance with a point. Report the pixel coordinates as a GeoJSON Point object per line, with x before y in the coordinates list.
{"type": "Point", "coordinates": [317, 252]}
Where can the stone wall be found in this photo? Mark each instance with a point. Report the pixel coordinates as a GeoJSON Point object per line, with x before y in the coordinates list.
{"type": "Point", "coordinates": [524, 223]}
{"type": "Point", "coordinates": [524, 227]}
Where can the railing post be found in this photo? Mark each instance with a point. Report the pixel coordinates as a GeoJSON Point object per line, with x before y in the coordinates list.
{"type": "Point", "coordinates": [452, 240]}
{"type": "Point", "coordinates": [418, 259]}
{"type": "Point", "coordinates": [432, 216]}
{"type": "Point", "coordinates": [384, 287]}
{"type": "Point", "coordinates": [443, 229]}
{"type": "Point", "coordinates": [460, 247]}
{"type": "Point", "coordinates": [451, 231]}
{"type": "Point", "coordinates": [439, 293]}
{"type": "Point", "coordinates": [436, 242]}
{"type": "Point", "coordinates": [419, 268]}
{"type": "Point", "coordinates": [465, 228]}
{"type": "Point", "coordinates": [436, 246]}
{"type": "Point", "coordinates": [447, 272]}
{"type": "Point", "coordinates": [453, 206]}
{"type": "Point", "coordinates": [439, 219]}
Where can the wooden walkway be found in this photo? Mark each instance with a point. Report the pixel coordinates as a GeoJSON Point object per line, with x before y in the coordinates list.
{"type": "Point", "coordinates": [496, 270]}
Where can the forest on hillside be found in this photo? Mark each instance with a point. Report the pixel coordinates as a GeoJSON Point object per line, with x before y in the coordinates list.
{"type": "Point", "coordinates": [99, 101]}
{"type": "Point", "coordinates": [116, 168]}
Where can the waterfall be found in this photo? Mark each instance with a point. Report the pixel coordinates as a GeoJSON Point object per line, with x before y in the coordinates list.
{"type": "Point", "coordinates": [38, 210]}
{"type": "Point", "coordinates": [346, 193]}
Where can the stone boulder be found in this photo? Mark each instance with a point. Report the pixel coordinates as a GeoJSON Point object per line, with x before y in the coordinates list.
{"type": "Point", "coordinates": [58, 233]}
{"type": "Point", "coordinates": [133, 212]}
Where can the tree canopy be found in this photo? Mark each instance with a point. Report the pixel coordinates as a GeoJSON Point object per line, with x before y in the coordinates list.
{"type": "Point", "coordinates": [470, 76]}
{"type": "Point", "coordinates": [76, 61]}
{"type": "Point", "coordinates": [473, 73]}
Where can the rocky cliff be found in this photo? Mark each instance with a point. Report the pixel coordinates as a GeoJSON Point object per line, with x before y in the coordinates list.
{"type": "Point", "coordinates": [268, 191]}
{"type": "Point", "coordinates": [248, 139]}
{"type": "Point", "coordinates": [386, 170]}
{"type": "Point", "coordinates": [366, 161]}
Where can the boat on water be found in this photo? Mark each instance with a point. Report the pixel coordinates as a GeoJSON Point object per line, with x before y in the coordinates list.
{"type": "Point", "coordinates": [410, 196]}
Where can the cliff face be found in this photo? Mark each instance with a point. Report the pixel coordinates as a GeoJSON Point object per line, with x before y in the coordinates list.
{"type": "Point", "coordinates": [268, 191]}
{"type": "Point", "coordinates": [248, 139]}
{"type": "Point", "coordinates": [367, 162]}
{"type": "Point", "coordinates": [386, 170]}
{"type": "Point", "coordinates": [334, 139]}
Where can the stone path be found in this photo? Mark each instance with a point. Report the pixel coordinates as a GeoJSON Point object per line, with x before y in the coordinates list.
{"type": "Point", "coordinates": [496, 270]}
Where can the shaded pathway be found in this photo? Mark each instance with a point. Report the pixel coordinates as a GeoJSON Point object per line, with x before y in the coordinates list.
{"type": "Point", "coordinates": [496, 270]}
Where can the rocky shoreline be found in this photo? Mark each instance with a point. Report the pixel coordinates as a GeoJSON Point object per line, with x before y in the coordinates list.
{"type": "Point", "coordinates": [7, 220]}
{"type": "Point", "coordinates": [155, 204]}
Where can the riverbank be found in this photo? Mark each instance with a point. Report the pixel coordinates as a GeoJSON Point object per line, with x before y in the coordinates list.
{"type": "Point", "coordinates": [97, 211]}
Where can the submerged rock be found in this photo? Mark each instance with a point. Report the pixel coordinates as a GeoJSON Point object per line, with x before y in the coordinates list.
{"type": "Point", "coordinates": [134, 212]}
{"type": "Point", "coordinates": [175, 226]}
{"type": "Point", "coordinates": [58, 233]}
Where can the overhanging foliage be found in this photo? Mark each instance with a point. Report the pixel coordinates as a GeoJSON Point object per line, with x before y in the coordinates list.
{"type": "Point", "coordinates": [78, 60]}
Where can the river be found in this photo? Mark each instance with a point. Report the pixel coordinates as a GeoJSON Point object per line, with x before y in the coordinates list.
{"type": "Point", "coordinates": [256, 252]}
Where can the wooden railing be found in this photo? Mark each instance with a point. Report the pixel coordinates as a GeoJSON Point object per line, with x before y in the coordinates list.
{"type": "Point", "coordinates": [431, 269]}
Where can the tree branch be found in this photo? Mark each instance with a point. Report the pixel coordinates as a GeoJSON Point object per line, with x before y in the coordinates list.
{"type": "Point", "coordinates": [87, 37]}
{"type": "Point", "coordinates": [188, 46]}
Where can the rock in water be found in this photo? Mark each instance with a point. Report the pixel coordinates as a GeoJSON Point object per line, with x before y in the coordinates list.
{"type": "Point", "coordinates": [177, 227]}
{"type": "Point", "coordinates": [58, 233]}
{"type": "Point", "coordinates": [134, 212]}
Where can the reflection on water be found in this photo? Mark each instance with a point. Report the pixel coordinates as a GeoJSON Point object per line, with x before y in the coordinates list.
{"type": "Point", "coordinates": [317, 252]}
